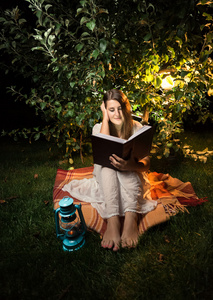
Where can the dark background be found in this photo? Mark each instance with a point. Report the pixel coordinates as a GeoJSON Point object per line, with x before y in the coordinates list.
{"type": "Point", "coordinates": [17, 114]}
{"type": "Point", "coordinates": [14, 114]}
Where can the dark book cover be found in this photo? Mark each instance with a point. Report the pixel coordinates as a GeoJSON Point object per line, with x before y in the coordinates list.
{"type": "Point", "coordinates": [105, 145]}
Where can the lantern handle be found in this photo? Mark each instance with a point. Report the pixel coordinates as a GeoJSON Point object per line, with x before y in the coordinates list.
{"type": "Point", "coordinates": [78, 206]}
{"type": "Point", "coordinates": [58, 234]}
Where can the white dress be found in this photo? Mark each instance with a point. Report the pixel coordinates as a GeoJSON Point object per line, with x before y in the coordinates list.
{"type": "Point", "coordinates": [113, 192]}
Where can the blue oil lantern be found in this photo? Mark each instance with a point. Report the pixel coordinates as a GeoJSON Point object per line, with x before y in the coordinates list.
{"type": "Point", "coordinates": [70, 224]}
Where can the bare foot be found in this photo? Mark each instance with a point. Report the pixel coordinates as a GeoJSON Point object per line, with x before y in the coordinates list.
{"type": "Point", "coordinates": [129, 238]}
{"type": "Point", "coordinates": [112, 238]}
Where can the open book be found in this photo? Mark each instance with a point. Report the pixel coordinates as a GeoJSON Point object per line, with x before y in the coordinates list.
{"type": "Point", "coordinates": [105, 145]}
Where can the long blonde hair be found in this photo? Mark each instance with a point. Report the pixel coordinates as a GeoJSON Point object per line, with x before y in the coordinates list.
{"type": "Point", "coordinates": [126, 130]}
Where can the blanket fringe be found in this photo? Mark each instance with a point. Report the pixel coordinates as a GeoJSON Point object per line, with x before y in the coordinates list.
{"type": "Point", "coordinates": [173, 209]}
{"type": "Point", "coordinates": [192, 201]}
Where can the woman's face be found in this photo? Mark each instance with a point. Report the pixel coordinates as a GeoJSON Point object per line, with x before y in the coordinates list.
{"type": "Point", "coordinates": [115, 113]}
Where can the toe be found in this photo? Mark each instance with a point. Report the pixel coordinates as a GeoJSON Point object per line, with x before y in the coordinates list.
{"type": "Point", "coordinates": [128, 243]}
{"type": "Point", "coordinates": [115, 248]}
{"type": "Point", "coordinates": [110, 244]}
{"type": "Point", "coordinates": [103, 244]}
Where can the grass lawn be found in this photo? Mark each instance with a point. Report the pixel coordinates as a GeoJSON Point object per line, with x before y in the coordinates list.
{"type": "Point", "coordinates": [173, 260]}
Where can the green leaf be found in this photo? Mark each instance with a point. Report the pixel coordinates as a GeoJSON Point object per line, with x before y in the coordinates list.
{"type": "Point", "coordinates": [115, 41]}
{"type": "Point", "coordinates": [91, 25]}
{"type": "Point", "coordinates": [58, 109]}
{"type": "Point", "coordinates": [102, 45]}
{"type": "Point", "coordinates": [82, 10]}
{"type": "Point", "coordinates": [14, 44]}
{"type": "Point", "coordinates": [38, 36]}
{"type": "Point", "coordinates": [14, 60]}
{"type": "Point", "coordinates": [21, 21]}
{"type": "Point", "coordinates": [51, 39]}
{"type": "Point", "coordinates": [84, 20]}
{"type": "Point", "coordinates": [67, 22]}
{"type": "Point", "coordinates": [47, 6]}
{"type": "Point", "coordinates": [37, 136]}
{"type": "Point", "coordinates": [3, 46]}
{"type": "Point", "coordinates": [47, 33]}
{"type": "Point", "coordinates": [72, 84]}
{"type": "Point", "coordinates": [37, 48]}
{"type": "Point", "coordinates": [69, 75]}
{"type": "Point", "coordinates": [58, 91]}
{"type": "Point", "coordinates": [70, 113]}
{"type": "Point", "coordinates": [178, 95]}
{"type": "Point", "coordinates": [171, 50]}
{"type": "Point", "coordinates": [79, 47]}
{"type": "Point", "coordinates": [80, 118]}
{"type": "Point", "coordinates": [178, 108]}
{"type": "Point", "coordinates": [147, 37]}
{"type": "Point", "coordinates": [149, 78]}
{"type": "Point", "coordinates": [43, 105]}
{"type": "Point", "coordinates": [157, 82]}
{"type": "Point", "coordinates": [169, 145]}
{"type": "Point", "coordinates": [208, 16]}
{"type": "Point", "coordinates": [85, 34]}
{"type": "Point", "coordinates": [95, 53]}
{"type": "Point", "coordinates": [39, 16]}
{"type": "Point", "coordinates": [169, 80]}
{"type": "Point", "coordinates": [83, 2]}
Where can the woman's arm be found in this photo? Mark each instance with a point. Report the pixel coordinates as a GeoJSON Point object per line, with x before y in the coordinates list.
{"type": "Point", "coordinates": [131, 164]}
{"type": "Point", "coordinates": [105, 122]}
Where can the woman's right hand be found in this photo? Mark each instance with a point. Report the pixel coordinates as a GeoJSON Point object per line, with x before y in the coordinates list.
{"type": "Point", "coordinates": [104, 112]}
{"type": "Point", "coordinates": [105, 122]}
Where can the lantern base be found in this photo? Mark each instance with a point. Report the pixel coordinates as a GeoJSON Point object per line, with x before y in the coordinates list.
{"type": "Point", "coordinates": [72, 244]}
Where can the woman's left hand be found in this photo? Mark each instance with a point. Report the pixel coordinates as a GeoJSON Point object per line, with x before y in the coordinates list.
{"type": "Point", "coordinates": [123, 165]}
{"type": "Point", "coordinates": [130, 164]}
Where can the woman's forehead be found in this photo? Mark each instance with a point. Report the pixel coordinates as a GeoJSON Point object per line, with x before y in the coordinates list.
{"type": "Point", "coordinates": [113, 103]}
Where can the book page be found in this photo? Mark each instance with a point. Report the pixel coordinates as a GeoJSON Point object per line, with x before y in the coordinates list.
{"type": "Point", "coordinates": [141, 130]}
{"type": "Point", "coordinates": [110, 138]}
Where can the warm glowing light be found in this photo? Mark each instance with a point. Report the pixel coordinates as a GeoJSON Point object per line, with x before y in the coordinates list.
{"type": "Point", "coordinates": [167, 83]}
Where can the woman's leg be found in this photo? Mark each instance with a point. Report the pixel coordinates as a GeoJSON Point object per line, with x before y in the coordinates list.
{"type": "Point", "coordinates": [130, 234]}
{"type": "Point", "coordinates": [131, 192]}
{"type": "Point", "coordinates": [112, 237]}
{"type": "Point", "coordinates": [121, 191]}
{"type": "Point", "coordinates": [110, 188]}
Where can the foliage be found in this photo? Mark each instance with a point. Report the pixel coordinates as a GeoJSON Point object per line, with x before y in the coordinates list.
{"type": "Point", "coordinates": [65, 72]}
{"type": "Point", "coordinates": [74, 50]}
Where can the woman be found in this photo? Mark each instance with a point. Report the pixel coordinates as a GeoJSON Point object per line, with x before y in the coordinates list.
{"type": "Point", "coordinates": [121, 192]}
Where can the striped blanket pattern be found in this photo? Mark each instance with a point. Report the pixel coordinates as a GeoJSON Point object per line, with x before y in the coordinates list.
{"type": "Point", "coordinates": [171, 194]}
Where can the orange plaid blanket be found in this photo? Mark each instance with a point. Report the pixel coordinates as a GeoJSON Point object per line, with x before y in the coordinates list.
{"type": "Point", "coordinates": [171, 194]}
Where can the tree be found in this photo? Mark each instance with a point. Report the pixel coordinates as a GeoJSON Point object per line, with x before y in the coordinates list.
{"type": "Point", "coordinates": [74, 50]}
